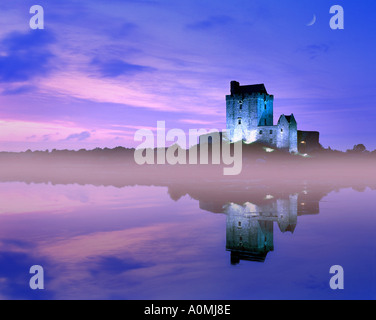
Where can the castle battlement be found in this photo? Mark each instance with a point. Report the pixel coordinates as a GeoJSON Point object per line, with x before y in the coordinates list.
{"type": "Point", "coordinates": [249, 117]}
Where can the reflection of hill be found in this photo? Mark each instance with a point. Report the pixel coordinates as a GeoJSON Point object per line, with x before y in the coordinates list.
{"type": "Point", "coordinates": [212, 196]}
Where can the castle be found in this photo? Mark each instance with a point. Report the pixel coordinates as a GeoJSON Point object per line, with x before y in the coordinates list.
{"type": "Point", "coordinates": [249, 117]}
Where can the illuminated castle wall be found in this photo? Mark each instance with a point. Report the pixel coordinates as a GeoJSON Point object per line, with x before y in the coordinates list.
{"type": "Point", "coordinates": [249, 117]}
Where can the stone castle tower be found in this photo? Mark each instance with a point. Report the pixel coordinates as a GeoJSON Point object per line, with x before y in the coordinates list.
{"type": "Point", "coordinates": [249, 117]}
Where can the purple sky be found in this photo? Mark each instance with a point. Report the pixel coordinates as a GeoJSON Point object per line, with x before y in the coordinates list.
{"type": "Point", "coordinates": [100, 69]}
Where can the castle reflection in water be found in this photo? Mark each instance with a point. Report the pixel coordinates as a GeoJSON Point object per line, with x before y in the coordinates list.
{"type": "Point", "coordinates": [250, 227]}
{"type": "Point", "coordinates": [250, 224]}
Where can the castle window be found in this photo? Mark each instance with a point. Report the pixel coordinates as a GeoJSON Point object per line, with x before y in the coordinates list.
{"type": "Point", "coordinates": [239, 224]}
{"type": "Point", "coordinates": [260, 131]}
{"type": "Point", "coordinates": [281, 130]}
{"type": "Point", "coordinates": [271, 131]}
{"type": "Point", "coordinates": [240, 106]}
{"type": "Point", "coordinates": [240, 121]}
{"type": "Point", "coordinates": [265, 106]}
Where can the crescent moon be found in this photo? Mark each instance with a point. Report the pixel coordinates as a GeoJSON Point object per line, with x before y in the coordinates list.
{"type": "Point", "coordinates": [312, 22]}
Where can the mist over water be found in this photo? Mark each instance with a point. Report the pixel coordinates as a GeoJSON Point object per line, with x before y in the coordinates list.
{"type": "Point", "coordinates": [143, 237]}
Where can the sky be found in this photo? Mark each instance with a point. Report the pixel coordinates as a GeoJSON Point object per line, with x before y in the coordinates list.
{"type": "Point", "coordinates": [100, 70]}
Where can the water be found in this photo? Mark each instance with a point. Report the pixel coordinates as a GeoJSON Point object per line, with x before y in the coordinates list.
{"type": "Point", "coordinates": [185, 242]}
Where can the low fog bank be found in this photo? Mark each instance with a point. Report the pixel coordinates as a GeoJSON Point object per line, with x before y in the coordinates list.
{"type": "Point", "coordinates": [117, 167]}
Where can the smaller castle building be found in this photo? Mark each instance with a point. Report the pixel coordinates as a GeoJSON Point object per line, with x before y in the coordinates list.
{"type": "Point", "coordinates": [249, 117]}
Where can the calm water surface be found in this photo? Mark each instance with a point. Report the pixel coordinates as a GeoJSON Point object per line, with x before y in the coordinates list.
{"type": "Point", "coordinates": [144, 242]}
